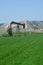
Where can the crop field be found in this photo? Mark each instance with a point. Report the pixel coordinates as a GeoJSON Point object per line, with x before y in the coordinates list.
{"type": "Point", "coordinates": [23, 50]}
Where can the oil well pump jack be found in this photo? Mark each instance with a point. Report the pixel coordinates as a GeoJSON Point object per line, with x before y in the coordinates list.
{"type": "Point", "coordinates": [10, 28]}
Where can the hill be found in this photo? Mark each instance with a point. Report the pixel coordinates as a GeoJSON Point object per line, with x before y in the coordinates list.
{"type": "Point", "coordinates": [29, 25]}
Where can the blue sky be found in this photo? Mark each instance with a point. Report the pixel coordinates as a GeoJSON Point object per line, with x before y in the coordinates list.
{"type": "Point", "coordinates": [18, 10]}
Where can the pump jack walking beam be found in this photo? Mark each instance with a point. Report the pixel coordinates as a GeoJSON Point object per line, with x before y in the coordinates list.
{"type": "Point", "coordinates": [17, 24]}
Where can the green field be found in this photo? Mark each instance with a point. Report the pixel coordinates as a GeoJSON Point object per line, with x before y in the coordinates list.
{"type": "Point", "coordinates": [23, 50]}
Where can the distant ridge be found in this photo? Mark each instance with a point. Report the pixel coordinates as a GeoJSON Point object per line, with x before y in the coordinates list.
{"type": "Point", "coordinates": [29, 24]}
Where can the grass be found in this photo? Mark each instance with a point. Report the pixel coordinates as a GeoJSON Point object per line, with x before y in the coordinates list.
{"type": "Point", "coordinates": [27, 50]}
